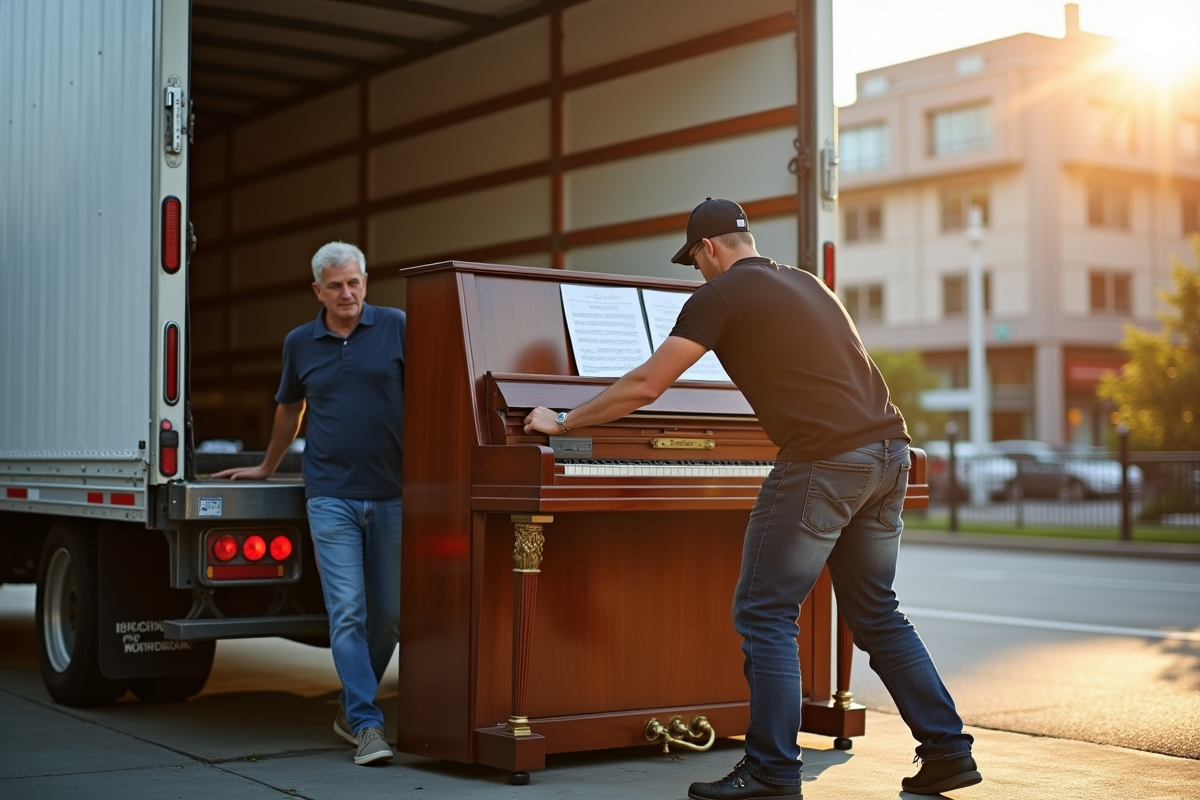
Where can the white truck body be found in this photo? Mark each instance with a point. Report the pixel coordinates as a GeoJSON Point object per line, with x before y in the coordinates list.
{"type": "Point", "coordinates": [77, 234]}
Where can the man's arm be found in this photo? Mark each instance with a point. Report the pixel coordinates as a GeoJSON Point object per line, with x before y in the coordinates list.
{"type": "Point", "coordinates": [283, 432]}
{"type": "Point", "coordinates": [634, 389]}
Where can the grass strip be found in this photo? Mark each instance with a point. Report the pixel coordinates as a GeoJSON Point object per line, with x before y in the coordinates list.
{"type": "Point", "coordinates": [1141, 533]}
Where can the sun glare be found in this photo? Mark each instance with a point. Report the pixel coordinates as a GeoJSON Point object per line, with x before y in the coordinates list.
{"type": "Point", "coordinates": [1161, 46]}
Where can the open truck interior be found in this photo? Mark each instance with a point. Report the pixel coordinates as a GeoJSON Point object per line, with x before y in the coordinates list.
{"type": "Point", "coordinates": [571, 134]}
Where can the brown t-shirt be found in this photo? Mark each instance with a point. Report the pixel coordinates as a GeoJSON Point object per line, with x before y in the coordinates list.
{"type": "Point", "coordinates": [790, 346]}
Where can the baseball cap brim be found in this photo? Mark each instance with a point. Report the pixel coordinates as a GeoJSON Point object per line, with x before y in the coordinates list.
{"type": "Point", "coordinates": [683, 257]}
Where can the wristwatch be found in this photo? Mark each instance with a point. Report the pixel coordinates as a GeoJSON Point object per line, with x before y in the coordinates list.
{"type": "Point", "coordinates": [561, 419]}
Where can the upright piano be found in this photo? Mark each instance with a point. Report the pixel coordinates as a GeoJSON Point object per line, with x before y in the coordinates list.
{"type": "Point", "coordinates": [574, 593]}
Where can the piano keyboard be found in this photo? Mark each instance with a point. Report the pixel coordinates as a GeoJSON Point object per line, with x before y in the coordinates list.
{"type": "Point", "coordinates": [666, 469]}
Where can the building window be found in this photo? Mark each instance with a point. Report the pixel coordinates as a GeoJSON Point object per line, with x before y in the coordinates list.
{"type": "Point", "coordinates": [957, 200]}
{"type": "Point", "coordinates": [1191, 213]}
{"type": "Point", "coordinates": [1111, 292]}
{"type": "Point", "coordinates": [1189, 138]}
{"type": "Point", "coordinates": [863, 149]}
{"type": "Point", "coordinates": [1108, 206]}
{"type": "Point", "coordinates": [1109, 127]}
{"type": "Point", "coordinates": [961, 130]}
{"type": "Point", "coordinates": [954, 295]}
{"type": "Point", "coordinates": [864, 303]}
{"type": "Point", "coordinates": [863, 222]}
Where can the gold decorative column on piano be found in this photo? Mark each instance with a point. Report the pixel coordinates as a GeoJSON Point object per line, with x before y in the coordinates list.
{"type": "Point", "coordinates": [514, 746]}
{"type": "Point", "coordinates": [527, 560]}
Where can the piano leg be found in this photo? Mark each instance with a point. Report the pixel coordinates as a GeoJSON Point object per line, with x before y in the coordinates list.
{"type": "Point", "coordinates": [839, 716]}
{"type": "Point", "coordinates": [843, 697]}
{"type": "Point", "coordinates": [514, 746]}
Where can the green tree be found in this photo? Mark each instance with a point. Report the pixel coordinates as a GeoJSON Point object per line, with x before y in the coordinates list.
{"type": "Point", "coordinates": [906, 378]}
{"type": "Point", "coordinates": [1157, 393]}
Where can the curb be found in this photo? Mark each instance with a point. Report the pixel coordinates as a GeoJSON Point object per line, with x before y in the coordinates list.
{"type": "Point", "coordinates": [1089, 547]}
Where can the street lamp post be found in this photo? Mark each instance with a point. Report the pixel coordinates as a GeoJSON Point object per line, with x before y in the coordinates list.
{"type": "Point", "coordinates": [981, 432]}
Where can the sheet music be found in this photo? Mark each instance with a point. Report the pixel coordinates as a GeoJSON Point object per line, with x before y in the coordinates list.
{"type": "Point", "coordinates": [608, 331]}
{"type": "Point", "coordinates": [662, 310]}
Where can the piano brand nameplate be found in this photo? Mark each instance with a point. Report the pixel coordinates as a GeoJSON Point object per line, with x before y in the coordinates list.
{"type": "Point", "coordinates": [667, 443]}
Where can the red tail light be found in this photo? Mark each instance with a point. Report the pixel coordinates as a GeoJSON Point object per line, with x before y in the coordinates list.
{"type": "Point", "coordinates": [239, 555]}
{"type": "Point", "coordinates": [830, 264]}
{"type": "Point", "coordinates": [281, 548]}
{"type": "Point", "coordinates": [254, 548]}
{"type": "Point", "coordinates": [171, 363]}
{"type": "Point", "coordinates": [171, 240]}
{"type": "Point", "coordinates": [225, 548]}
{"type": "Point", "coordinates": [168, 450]}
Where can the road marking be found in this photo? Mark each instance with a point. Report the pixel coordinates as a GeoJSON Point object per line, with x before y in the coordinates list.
{"type": "Point", "coordinates": [1054, 579]}
{"type": "Point", "coordinates": [1053, 625]}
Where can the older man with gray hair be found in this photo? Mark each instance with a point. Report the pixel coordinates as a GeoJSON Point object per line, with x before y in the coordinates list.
{"type": "Point", "coordinates": [346, 369]}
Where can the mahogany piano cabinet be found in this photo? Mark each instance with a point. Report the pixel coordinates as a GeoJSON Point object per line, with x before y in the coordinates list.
{"type": "Point", "coordinates": [556, 602]}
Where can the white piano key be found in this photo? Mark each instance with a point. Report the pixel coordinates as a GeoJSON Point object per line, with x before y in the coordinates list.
{"type": "Point", "coordinates": [667, 470]}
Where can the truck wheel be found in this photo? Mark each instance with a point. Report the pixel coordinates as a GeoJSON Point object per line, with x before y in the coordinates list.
{"type": "Point", "coordinates": [169, 689]}
{"type": "Point", "coordinates": [67, 630]}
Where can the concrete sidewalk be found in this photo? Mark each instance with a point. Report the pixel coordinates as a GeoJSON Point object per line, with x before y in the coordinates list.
{"type": "Point", "coordinates": [265, 743]}
{"type": "Point", "coordinates": [261, 729]}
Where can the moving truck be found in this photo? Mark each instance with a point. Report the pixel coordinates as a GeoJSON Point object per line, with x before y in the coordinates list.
{"type": "Point", "coordinates": [573, 135]}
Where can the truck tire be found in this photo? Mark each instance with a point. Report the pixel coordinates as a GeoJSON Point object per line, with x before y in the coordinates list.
{"type": "Point", "coordinates": [169, 689]}
{"type": "Point", "coordinates": [68, 636]}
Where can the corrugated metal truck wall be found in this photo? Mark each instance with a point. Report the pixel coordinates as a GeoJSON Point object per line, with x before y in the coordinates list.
{"type": "Point", "coordinates": [579, 140]}
{"type": "Point", "coordinates": [76, 249]}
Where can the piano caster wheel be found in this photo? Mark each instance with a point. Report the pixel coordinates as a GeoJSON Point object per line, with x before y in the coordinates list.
{"type": "Point", "coordinates": [518, 779]}
{"type": "Point", "coordinates": [841, 743]}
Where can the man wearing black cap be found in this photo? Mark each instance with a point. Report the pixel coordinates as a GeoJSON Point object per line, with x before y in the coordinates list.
{"type": "Point", "coordinates": [834, 496]}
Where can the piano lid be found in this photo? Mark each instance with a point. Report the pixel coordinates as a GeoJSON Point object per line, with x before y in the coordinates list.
{"type": "Point", "coordinates": [512, 390]}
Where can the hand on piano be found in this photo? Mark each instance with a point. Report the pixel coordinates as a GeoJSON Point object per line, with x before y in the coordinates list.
{"type": "Point", "coordinates": [541, 420]}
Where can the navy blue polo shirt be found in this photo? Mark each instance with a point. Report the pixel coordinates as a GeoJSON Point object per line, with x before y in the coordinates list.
{"type": "Point", "coordinates": [354, 388]}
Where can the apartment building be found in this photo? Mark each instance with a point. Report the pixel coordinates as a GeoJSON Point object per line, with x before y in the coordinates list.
{"type": "Point", "coordinates": [1088, 177]}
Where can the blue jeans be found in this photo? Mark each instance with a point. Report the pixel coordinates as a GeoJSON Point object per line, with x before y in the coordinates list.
{"type": "Point", "coordinates": [844, 510]}
{"type": "Point", "coordinates": [357, 545]}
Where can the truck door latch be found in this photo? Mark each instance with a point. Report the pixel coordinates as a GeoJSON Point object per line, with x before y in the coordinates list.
{"type": "Point", "coordinates": [175, 119]}
{"type": "Point", "coordinates": [829, 172]}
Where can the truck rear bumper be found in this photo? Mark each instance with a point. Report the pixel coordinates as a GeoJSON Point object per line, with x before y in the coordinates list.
{"type": "Point", "coordinates": [246, 627]}
{"type": "Point", "coordinates": [212, 501]}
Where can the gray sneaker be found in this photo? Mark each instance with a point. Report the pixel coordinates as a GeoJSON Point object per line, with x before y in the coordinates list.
{"type": "Point", "coordinates": [341, 726]}
{"type": "Point", "coordinates": [371, 747]}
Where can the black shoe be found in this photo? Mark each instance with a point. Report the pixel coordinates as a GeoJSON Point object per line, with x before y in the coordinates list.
{"type": "Point", "coordinates": [936, 777]}
{"type": "Point", "coordinates": [741, 785]}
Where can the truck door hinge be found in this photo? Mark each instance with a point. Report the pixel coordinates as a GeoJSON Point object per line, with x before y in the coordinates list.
{"type": "Point", "coordinates": [801, 164]}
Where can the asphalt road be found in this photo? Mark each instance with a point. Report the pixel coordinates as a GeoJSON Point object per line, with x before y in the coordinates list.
{"type": "Point", "coordinates": [1091, 648]}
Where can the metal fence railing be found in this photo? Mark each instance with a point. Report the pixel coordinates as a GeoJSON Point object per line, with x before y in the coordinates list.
{"type": "Point", "coordinates": [1094, 490]}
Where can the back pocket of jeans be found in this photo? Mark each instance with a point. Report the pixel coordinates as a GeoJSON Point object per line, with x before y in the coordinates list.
{"type": "Point", "coordinates": [835, 490]}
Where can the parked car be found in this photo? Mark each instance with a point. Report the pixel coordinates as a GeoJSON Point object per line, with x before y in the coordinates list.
{"type": "Point", "coordinates": [985, 467]}
{"type": "Point", "coordinates": [1073, 473]}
